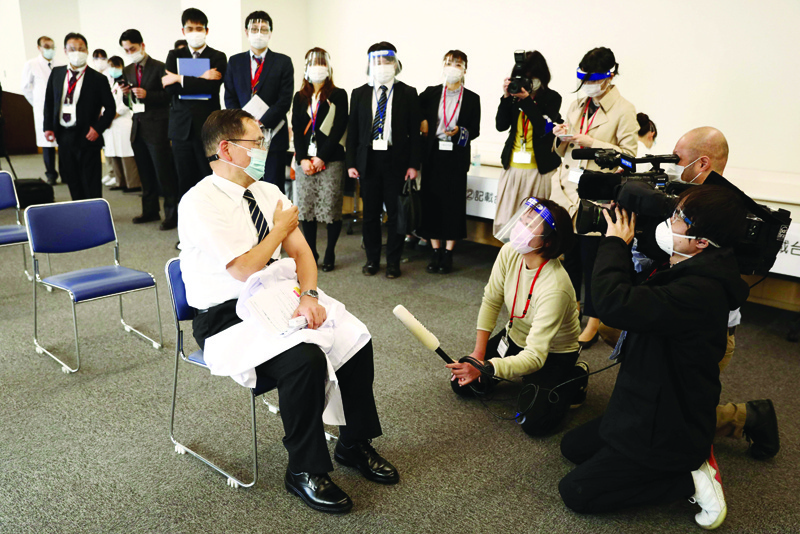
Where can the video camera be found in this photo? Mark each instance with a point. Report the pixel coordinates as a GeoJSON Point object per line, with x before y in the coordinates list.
{"type": "Point", "coordinates": [653, 197]}
{"type": "Point", "coordinates": [518, 79]}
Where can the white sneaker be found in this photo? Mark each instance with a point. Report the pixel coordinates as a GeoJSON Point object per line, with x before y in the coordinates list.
{"type": "Point", "coordinates": [708, 494]}
{"type": "Point", "coordinates": [109, 180]}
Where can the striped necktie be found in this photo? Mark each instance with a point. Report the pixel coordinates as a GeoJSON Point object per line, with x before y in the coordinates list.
{"type": "Point", "coordinates": [380, 115]}
{"type": "Point", "coordinates": [258, 218]}
{"type": "Point", "coordinates": [195, 55]}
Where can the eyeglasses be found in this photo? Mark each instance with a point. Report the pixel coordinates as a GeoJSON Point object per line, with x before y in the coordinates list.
{"type": "Point", "coordinates": [679, 215]}
{"type": "Point", "coordinates": [260, 143]}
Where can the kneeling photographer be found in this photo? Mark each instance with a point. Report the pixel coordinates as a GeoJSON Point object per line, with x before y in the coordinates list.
{"type": "Point", "coordinates": [540, 341]}
{"type": "Point", "coordinates": [653, 445]}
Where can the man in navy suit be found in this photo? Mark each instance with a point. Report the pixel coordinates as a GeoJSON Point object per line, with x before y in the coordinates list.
{"type": "Point", "coordinates": [74, 100]}
{"type": "Point", "coordinates": [187, 115]}
{"type": "Point", "coordinates": [269, 76]}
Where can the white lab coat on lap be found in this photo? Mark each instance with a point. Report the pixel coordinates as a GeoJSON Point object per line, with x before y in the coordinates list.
{"type": "Point", "coordinates": [34, 86]}
{"type": "Point", "coordinates": [238, 350]}
{"type": "Point", "coordinates": [117, 137]}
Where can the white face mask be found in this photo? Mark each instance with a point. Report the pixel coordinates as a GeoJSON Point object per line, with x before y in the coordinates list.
{"type": "Point", "coordinates": [452, 74]}
{"type": "Point", "coordinates": [664, 239]}
{"type": "Point", "coordinates": [592, 89]}
{"type": "Point", "coordinates": [383, 74]}
{"type": "Point", "coordinates": [259, 41]}
{"type": "Point", "coordinates": [316, 73]}
{"type": "Point", "coordinates": [137, 56]}
{"type": "Point", "coordinates": [48, 53]}
{"type": "Point", "coordinates": [196, 39]}
{"type": "Point", "coordinates": [536, 83]}
{"type": "Point", "coordinates": [77, 59]}
{"type": "Point", "coordinates": [521, 237]}
{"type": "Point", "coordinates": [101, 64]}
{"type": "Point", "coordinates": [675, 171]}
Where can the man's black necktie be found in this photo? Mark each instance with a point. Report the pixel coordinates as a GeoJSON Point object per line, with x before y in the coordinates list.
{"type": "Point", "coordinates": [258, 218]}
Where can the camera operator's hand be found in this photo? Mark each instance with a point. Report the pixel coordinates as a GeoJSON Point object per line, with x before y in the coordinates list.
{"type": "Point", "coordinates": [522, 95]}
{"type": "Point", "coordinates": [583, 140]}
{"type": "Point", "coordinates": [623, 227]}
{"type": "Point", "coordinates": [505, 87]}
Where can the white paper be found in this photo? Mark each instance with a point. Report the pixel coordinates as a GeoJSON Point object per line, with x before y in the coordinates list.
{"type": "Point", "coordinates": [575, 176]}
{"type": "Point", "coordinates": [446, 146]}
{"type": "Point", "coordinates": [256, 107]}
{"type": "Point", "coordinates": [523, 158]}
{"type": "Point", "coordinates": [274, 306]}
{"type": "Point", "coordinates": [380, 144]}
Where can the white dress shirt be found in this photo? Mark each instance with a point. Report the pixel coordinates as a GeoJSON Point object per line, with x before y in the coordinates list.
{"type": "Point", "coordinates": [253, 64]}
{"type": "Point", "coordinates": [215, 227]}
{"type": "Point", "coordinates": [76, 94]}
{"type": "Point", "coordinates": [387, 119]}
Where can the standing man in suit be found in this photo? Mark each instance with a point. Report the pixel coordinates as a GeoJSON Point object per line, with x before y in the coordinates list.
{"type": "Point", "coordinates": [34, 84]}
{"type": "Point", "coordinates": [383, 149]}
{"type": "Point", "coordinates": [269, 76]}
{"type": "Point", "coordinates": [74, 99]}
{"type": "Point", "coordinates": [187, 115]}
{"type": "Point", "coordinates": [149, 134]}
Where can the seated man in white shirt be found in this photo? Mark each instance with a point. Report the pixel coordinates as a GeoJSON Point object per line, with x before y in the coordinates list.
{"type": "Point", "coordinates": [232, 226]}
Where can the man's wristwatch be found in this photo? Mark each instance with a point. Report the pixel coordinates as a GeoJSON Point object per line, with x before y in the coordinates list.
{"type": "Point", "coordinates": [310, 293]}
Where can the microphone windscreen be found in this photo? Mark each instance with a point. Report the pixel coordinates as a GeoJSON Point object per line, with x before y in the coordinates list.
{"type": "Point", "coordinates": [415, 327]}
{"type": "Point", "coordinates": [584, 153]}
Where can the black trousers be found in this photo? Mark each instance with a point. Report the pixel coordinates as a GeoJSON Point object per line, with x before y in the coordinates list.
{"type": "Point", "coordinates": [80, 166]}
{"type": "Point", "coordinates": [275, 169]}
{"type": "Point", "coordinates": [579, 264]}
{"type": "Point", "coordinates": [381, 185]}
{"type": "Point", "coordinates": [300, 373]}
{"type": "Point", "coordinates": [49, 156]}
{"type": "Point", "coordinates": [190, 162]}
{"type": "Point", "coordinates": [157, 171]}
{"type": "Point", "coordinates": [606, 480]}
{"type": "Point", "coordinates": [543, 411]}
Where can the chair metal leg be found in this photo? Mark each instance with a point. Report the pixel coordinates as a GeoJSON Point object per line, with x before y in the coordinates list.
{"type": "Point", "coordinates": [41, 350]}
{"type": "Point", "coordinates": [25, 264]}
{"type": "Point", "coordinates": [129, 328]}
{"type": "Point", "coordinates": [49, 270]}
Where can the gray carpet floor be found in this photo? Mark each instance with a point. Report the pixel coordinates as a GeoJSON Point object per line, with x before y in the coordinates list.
{"type": "Point", "coordinates": [90, 452]}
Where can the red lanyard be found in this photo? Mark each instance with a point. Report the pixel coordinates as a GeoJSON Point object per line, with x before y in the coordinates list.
{"type": "Point", "coordinates": [72, 85]}
{"type": "Point", "coordinates": [525, 124]}
{"type": "Point", "coordinates": [314, 119]}
{"type": "Point", "coordinates": [530, 294]}
{"type": "Point", "coordinates": [583, 117]}
{"type": "Point", "coordinates": [138, 75]}
{"type": "Point", "coordinates": [254, 78]}
{"type": "Point", "coordinates": [444, 107]}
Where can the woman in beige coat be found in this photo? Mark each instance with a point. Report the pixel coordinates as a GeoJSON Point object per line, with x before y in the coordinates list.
{"type": "Point", "coordinates": [599, 118]}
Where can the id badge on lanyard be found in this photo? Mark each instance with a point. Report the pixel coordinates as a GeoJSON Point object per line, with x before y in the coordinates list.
{"type": "Point", "coordinates": [446, 146]}
{"type": "Point", "coordinates": [138, 107]}
{"type": "Point", "coordinates": [523, 157]}
{"type": "Point", "coordinates": [502, 347]}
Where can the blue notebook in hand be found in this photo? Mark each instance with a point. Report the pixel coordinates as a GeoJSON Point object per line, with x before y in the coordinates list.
{"type": "Point", "coordinates": [194, 67]}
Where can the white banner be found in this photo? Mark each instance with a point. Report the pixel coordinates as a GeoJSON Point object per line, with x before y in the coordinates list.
{"type": "Point", "coordinates": [482, 196]}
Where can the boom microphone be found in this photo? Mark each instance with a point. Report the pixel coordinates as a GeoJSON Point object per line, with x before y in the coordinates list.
{"type": "Point", "coordinates": [420, 332]}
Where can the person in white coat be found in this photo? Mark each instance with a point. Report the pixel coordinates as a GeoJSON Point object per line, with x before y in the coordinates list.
{"type": "Point", "coordinates": [117, 138]}
{"type": "Point", "coordinates": [34, 85]}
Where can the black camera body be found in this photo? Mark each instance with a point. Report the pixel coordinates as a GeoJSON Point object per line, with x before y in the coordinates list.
{"type": "Point", "coordinates": [653, 198]}
{"type": "Point", "coordinates": [518, 79]}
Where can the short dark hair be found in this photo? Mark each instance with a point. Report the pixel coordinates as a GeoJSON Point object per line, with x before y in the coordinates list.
{"type": "Point", "coordinates": [132, 36]}
{"type": "Point", "coordinates": [180, 43]}
{"type": "Point", "coordinates": [561, 239]}
{"type": "Point", "coordinates": [598, 61]}
{"type": "Point", "coordinates": [456, 54]}
{"type": "Point", "coordinates": [100, 53]}
{"type": "Point", "coordinates": [74, 35]}
{"type": "Point", "coordinates": [258, 15]}
{"type": "Point", "coordinates": [717, 213]}
{"type": "Point", "coordinates": [40, 39]}
{"type": "Point", "coordinates": [646, 125]}
{"type": "Point", "coordinates": [536, 67]}
{"type": "Point", "coordinates": [194, 15]}
{"type": "Point", "coordinates": [116, 61]}
{"type": "Point", "coordinates": [221, 125]}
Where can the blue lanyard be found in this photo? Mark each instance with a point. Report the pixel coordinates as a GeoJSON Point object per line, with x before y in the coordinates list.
{"type": "Point", "coordinates": [383, 111]}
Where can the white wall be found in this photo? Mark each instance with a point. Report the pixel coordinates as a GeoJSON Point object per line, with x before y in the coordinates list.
{"type": "Point", "coordinates": [11, 41]}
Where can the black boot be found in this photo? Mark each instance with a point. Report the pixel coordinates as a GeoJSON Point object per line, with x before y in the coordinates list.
{"type": "Point", "coordinates": [310, 233]}
{"type": "Point", "coordinates": [436, 259]}
{"type": "Point", "coordinates": [334, 229]}
{"type": "Point", "coordinates": [446, 263]}
{"type": "Point", "coordinates": [761, 429]}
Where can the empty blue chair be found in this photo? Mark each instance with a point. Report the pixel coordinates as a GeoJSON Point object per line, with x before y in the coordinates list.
{"type": "Point", "coordinates": [12, 234]}
{"type": "Point", "coordinates": [74, 226]}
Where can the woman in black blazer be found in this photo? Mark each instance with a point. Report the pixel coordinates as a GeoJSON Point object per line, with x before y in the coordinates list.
{"type": "Point", "coordinates": [528, 157]}
{"type": "Point", "coordinates": [451, 120]}
{"type": "Point", "coordinates": [319, 123]}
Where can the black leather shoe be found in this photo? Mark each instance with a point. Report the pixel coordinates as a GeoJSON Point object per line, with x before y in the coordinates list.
{"type": "Point", "coordinates": [586, 345]}
{"type": "Point", "coordinates": [762, 433]}
{"type": "Point", "coordinates": [366, 459]}
{"type": "Point", "coordinates": [446, 264]}
{"type": "Point", "coordinates": [116, 188]}
{"type": "Point", "coordinates": [392, 270]}
{"type": "Point", "coordinates": [168, 224]}
{"type": "Point", "coordinates": [318, 492]}
{"type": "Point", "coordinates": [436, 258]}
{"type": "Point", "coordinates": [139, 219]}
{"type": "Point", "coordinates": [327, 267]}
{"type": "Point", "coordinates": [370, 268]}
{"type": "Point", "coordinates": [131, 189]}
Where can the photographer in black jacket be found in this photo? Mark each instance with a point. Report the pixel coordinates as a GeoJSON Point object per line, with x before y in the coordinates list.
{"type": "Point", "coordinates": [653, 445]}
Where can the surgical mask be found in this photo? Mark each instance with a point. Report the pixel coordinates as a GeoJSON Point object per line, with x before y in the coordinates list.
{"type": "Point", "coordinates": [195, 39]}
{"type": "Point", "coordinates": [452, 74]}
{"type": "Point", "coordinates": [521, 237]}
{"type": "Point", "coordinates": [664, 235]}
{"type": "Point", "coordinates": [101, 64]}
{"type": "Point", "coordinates": [675, 171]}
{"type": "Point", "coordinates": [592, 89]}
{"type": "Point", "coordinates": [317, 73]}
{"type": "Point", "coordinates": [536, 83]}
{"type": "Point", "coordinates": [383, 74]}
{"type": "Point", "coordinates": [137, 56]}
{"type": "Point", "coordinates": [258, 162]}
{"type": "Point", "coordinates": [259, 41]}
{"type": "Point", "coordinates": [77, 59]}
{"type": "Point", "coordinates": [48, 53]}
{"type": "Point", "coordinates": [114, 72]}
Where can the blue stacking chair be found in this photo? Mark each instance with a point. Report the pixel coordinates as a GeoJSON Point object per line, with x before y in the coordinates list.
{"type": "Point", "coordinates": [12, 234]}
{"type": "Point", "coordinates": [71, 227]}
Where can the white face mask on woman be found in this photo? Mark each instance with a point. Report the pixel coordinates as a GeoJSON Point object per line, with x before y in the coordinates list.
{"type": "Point", "coordinates": [521, 237]}
{"type": "Point", "coordinates": [592, 90]}
{"type": "Point", "coordinates": [317, 73]}
{"type": "Point", "coordinates": [452, 74]}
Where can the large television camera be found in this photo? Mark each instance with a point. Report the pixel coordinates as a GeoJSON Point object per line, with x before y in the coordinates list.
{"type": "Point", "coordinates": [653, 197]}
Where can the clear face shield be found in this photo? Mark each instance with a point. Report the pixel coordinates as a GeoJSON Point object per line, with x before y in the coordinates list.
{"type": "Point", "coordinates": [382, 67]}
{"type": "Point", "coordinates": [318, 67]}
{"type": "Point", "coordinates": [528, 227]}
{"type": "Point", "coordinates": [453, 70]}
{"type": "Point", "coordinates": [258, 33]}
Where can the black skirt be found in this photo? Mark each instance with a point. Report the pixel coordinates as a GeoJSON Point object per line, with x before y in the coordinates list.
{"type": "Point", "coordinates": [444, 197]}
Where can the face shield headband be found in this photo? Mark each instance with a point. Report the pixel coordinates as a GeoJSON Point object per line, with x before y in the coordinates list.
{"type": "Point", "coordinates": [594, 76]}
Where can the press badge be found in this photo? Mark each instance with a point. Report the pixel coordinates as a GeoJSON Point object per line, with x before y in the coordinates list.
{"type": "Point", "coordinates": [68, 108]}
{"type": "Point", "coordinates": [138, 107]}
{"type": "Point", "coordinates": [502, 347]}
{"type": "Point", "coordinates": [380, 144]}
{"type": "Point", "coordinates": [575, 176]}
{"type": "Point", "coordinates": [312, 150]}
{"type": "Point", "coordinates": [446, 146]}
{"type": "Point", "coordinates": [522, 157]}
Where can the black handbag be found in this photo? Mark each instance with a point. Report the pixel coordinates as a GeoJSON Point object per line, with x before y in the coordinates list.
{"type": "Point", "coordinates": [32, 191]}
{"type": "Point", "coordinates": [409, 204]}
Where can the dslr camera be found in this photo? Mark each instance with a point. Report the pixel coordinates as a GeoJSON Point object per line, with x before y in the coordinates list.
{"type": "Point", "coordinates": [518, 79]}
{"type": "Point", "coordinates": [653, 197]}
